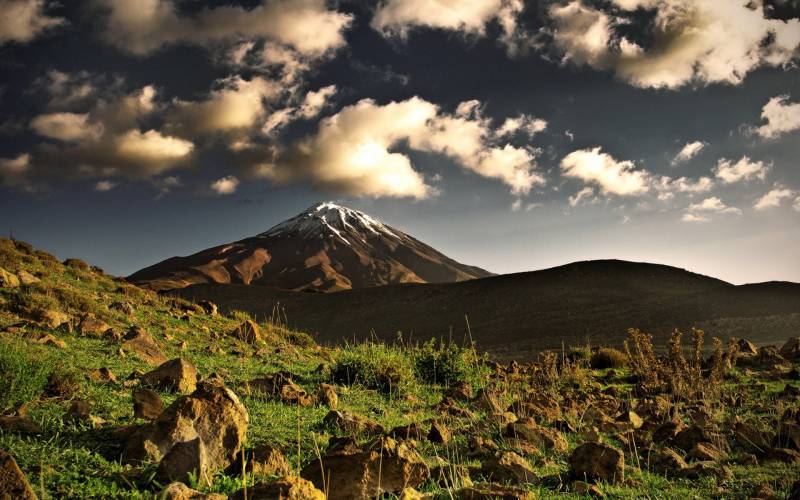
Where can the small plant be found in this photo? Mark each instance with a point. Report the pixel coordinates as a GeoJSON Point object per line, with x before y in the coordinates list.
{"type": "Point", "coordinates": [608, 357]}
{"type": "Point", "coordinates": [387, 369]}
{"type": "Point", "coordinates": [24, 372]}
{"type": "Point", "coordinates": [447, 364]}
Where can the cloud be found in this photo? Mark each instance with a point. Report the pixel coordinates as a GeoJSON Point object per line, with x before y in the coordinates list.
{"type": "Point", "coordinates": [355, 151]}
{"type": "Point", "coordinates": [796, 204]}
{"type": "Point", "coordinates": [523, 123]}
{"type": "Point", "coordinates": [583, 194]}
{"type": "Point", "coordinates": [305, 26]}
{"type": "Point", "coordinates": [225, 185]}
{"type": "Point", "coordinates": [66, 126]}
{"type": "Point", "coordinates": [315, 101]}
{"type": "Point", "coordinates": [702, 211]}
{"type": "Point", "coordinates": [688, 41]}
{"type": "Point", "coordinates": [774, 197]}
{"type": "Point", "coordinates": [781, 117]}
{"type": "Point", "coordinates": [742, 170]}
{"type": "Point", "coordinates": [65, 90]}
{"type": "Point", "coordinates": [612, 176]}
{"type": "Point", "coordinates": [516, 205]}
{"type": "Point", "coordinates": [13, 171]}
{"type": "Point", "coordinates": [104, 186]}
{"type": "Point", "coordinates": [667, 187]}
{"type": "Point", "coordinates": [689, 151]}
{"type": "Point", "coordinates": [23, 20]}
{"type": "Point", "coordinates": [398, 17]}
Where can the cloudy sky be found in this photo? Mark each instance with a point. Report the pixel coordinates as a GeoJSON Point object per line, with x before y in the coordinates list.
{"type": "Point", "coordinates": [508, 134]}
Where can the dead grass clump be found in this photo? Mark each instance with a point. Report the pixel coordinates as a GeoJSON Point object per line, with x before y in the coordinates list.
{"type": "Point", "coordinates": [608, 357]}
{"type": "Point", "coordinates": [77, 264]}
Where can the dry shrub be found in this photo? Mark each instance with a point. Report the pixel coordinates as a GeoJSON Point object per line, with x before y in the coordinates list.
{"type": "Point", "coordinates": [607, 357]}
{"type": "Point", "coordinates": [77, 264]}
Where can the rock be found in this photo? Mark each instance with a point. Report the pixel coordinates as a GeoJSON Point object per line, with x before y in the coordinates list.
{"type": "Point", "coordinates": [142, 344]}
{"type": "Point", "coordinates": [147, 404]}
{"type": "Point", "coordinates": [507, 466]}
{"type": "Point", "coordinates": [460, 392]}
{"type": "Point", "coordinates": [327, 396]}
{"type": "Point", "coordinates": [79, 412]}
{"type": "Point", "coordinates": [632, 419]}
{"type": "Point", "coordinates": [280, 385]}
{"type": "Point", "coordinates": [26, 278]}
{"type": "Point", "coordinates": [493, 492]}
{"type": "Point", "coordinates": [18, 424]}
{"type": "Point", "coordinates": [7, 279]}
{"type": "Point", "coordinates": [351, 423]}
{"type": "Point", "coordinates": [791, 349]}
{"type": "Point", "coordinates": [763, 491]}
{"type": "Point", "coordinates": [412, 494]}
{"type": "Point", "coordinates": [487, 401]}
{"type": "Point", "coordinates": [666, 432]}
{"type": "Point", "coordinates": [103, 375]}
{"type": "Point", "coordinates": [690, 436]}
{"type": "Point", "coordinates": [185, 459]}
{"type": "Point", "coordinates": [788, 436]}
{"type": "Point", "coordinates": [384, 466]}
{"type": "Point", "coordinates": [667, 462]}
{"type": "Point", "coordinates": [705, 451]}
{"type": "Point", "coordinates": [125, 308]}
{"type": "Point", "coordinates": [174, 375]}
{"type": "Point", "coordinates": [208, 307]}
{"type": "Point", "coordinates": [13, 484]}
{"type": "Point", "coordinates": [212, 413]}
{"type": "Point", "coordinates": [784, 455]}
{"type": "Point", "coordinates": [410, 431]}
{"type": "Point", "coordinates": [248, 331]}
{"type": "Point", "coordinates": [747, 459]}
{"type": "Point", "coordinates": [52, 319]}
{"type": "Point", "coordinates": [540, 437]}
{"type": "Point", "coordinates": [439, 433]}
{"type": "Point", "coordinates": [751, 439]}
{"type": "Point", "coordinates": [179, 491]}
{"type": "Point", "coordinates": [596, 461]}
{"type": "Point", "coordinates": [47, 339]}
{"type": "Point", "coordinates": [701, 469]}
{"type": "Point", "coordinates": [746, 347]}
{"type": "Point", "coordinates": [586, 489]}
{"type": "Point", "coordinates": [285, 488]}
{"type": "Point", "coordinates": [479, 446]}
{"type": "Point", "coordinates": [94, 327]}
{"type": "Point", "coordinates": [264, 460]}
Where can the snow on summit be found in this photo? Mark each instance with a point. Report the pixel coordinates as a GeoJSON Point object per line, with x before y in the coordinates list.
{"type": "Point", "coordinates": [329, 219]}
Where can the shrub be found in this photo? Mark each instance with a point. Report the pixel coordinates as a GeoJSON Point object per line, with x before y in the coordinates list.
{"type": "Point", "coordinates": [375, 366]}
{"type": "Point", "coordinates": [607, 357]}
{"type": "Point", "coordinates": [299, 339]}
{"type": "Point", "coordinates": [24, 372]}
{"type": "Point", "coordinates": [448, 364]}
{"type": "Point", "coordinates": [77, 264]}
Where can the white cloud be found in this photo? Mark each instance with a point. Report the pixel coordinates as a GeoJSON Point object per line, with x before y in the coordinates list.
{"type": "Point", "coordinates": [690, 41]}
{"type": "Point", "coordinates": [774, 197]}
{"type": "Point", "coordinates": [743, 170]}
{"type": "Point", "coordinates": [580, 196]}
{"type": "Point", "coordinates": [104, 186]}
{"type": "Point", "coordinates": [14, 170]}
{"type": "Point", "coordinates": [612, 176]}
{"type": "Point", "coordinates": [529, 125]}
{"type": "Point", "coordinates": [667, 187]}
{"type": "Point", "coordinates": [516, 205]}
{"type": "Point", "coordinates": [701, 212]}
{"type": "Point", "coordinates": [225, 185]}
{"type": "Point", "coordinates": [66, 126]}
{"type": "Point", "coordinates": [689, 151]}
{"type": "Point", "coordinates": [796, 204]}
{"type": "Point", "coordinates": [143, 26]}
{"type": "Point", "coordinates": [781, 117]}
{"type": "Point", "coordinates": [23, 20]}
{"type": "Point", "coordinates": [353, 151]}
{"type": "Point", "coordinates": [152, 148]}
{"type": "Point", "coordinates": [315, 101]}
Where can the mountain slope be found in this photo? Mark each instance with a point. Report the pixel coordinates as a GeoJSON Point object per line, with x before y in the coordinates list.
{"type": "Point", "coordinates": [516, 315]}
{"type": "Point", "coordinates": [325, 248]}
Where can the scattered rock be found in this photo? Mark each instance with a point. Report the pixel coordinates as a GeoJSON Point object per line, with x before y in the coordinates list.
{"type": "Point", "coordinates": [586, 489]}
{"type": "Point", "coordinates": [460, 392]}
{"type": "Point", "coordinates": [540, 437]}
{"type": "Point", "coordinates": [79, 412]}
{"type": "Point", "coordinates": [103, 375]}
{"type": "Point", "coordinates": [265, 460]}
{"type": "Point", "coordinates": [7, 279]}
{"type": "Point", "coordinates": [285, 488]}
{"type": "Point", "coordinates": [705, 451]}
{"type": "Point", "coordinates": [666, 432]}
{"type": "Point", "coordinates": [18, 424]}
{"type": "Point", "coordinates": [352, 423]}
{"type": "Point", "coordinates": [791, 349]}
{"type": "Point", "coordinates": [179, 491]}
{"type": "Point", "coordinates": [479, 446]}
{"type": "Point", "coordinates": [763, 491]}
{"type": "Point", "coordinates": [784, 455]}
{"type": "Point", "coordinates": [248, 331]}
{"type": "Point", "coordinates": [487, 401]}
{"type": "Point", "coordinates": [596, 461]}
{"type": "Point", "coordinates": [280, 385]}
{"type": "Point", "coordinates": [13, 484]}
{"type": "Point", "coordinates": [174, 375]}
{"type": "Point", "coordinates": [410, 431]}
{"type": "Point", "coordinates": [746, 347]}
{"type": "Point", "coordinates": [507, 466]}
{"type": "Point", "coordinates": [26, 278]}
{"type": "Point", "coordinates": [142, 344]}
{"type": "Point", "coordinates": [208, 307]}
{"type": "Point", "coordinates": [631, 418]}
{"type": "Point", "coordinates": [185, 459]}
{"type": "Point", "coordinates": [702, 469]}
{"type": "Point", "coordinates": [327, 396]}
{"type": "Point", "coordinates": [94, 327]}
{"type": "Point", "coordinates": [750, 439]}
{"type": "Point", "coordinates": [439, 433]}
{"type": "Point", "coordinates": [667, 462]}
{"type": "Point", "coordinates": [687, 438]}
{"type": "Point", "coordinates": [147, 404]}
{"type": "Point", "coordinates": [493, 492]}
{"type": "Point", "coordinates": [52, 319]}
{"type": "Point", "coordinates": [47, 339]}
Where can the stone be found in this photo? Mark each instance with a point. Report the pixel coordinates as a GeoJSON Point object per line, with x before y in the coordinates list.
{"type": "Point", "coordinates": [540, 437]}
{"type": "Point", "coordinates": [791, 349]}
{"type": "Point", "coordinates": [248, 331]}
{"type": "Point", "coordinates": [702, 469]}
{"type": "Point", "coordinates": [597, 461]}
{"type": "Point", "coordinates": [690, 436]}
{"type": "Point", "coordinates": [751, 439]}
{"type": "Point", "coordinates": [746, 347]}
{"type": "Point", "coordinates": [384, 466]}
{"type": "Point", "coordinates": [351, 423]}
{"type": "Point", "coordinates": [412, 494]}
{"type": "Point", "coordinates": [264, 460]}
{"type": "Point", "coordinates": [487, 401]}
{"type": "Point", "coordinates": [667, 462]}
{"type": "Point", "coordinates": [47, 339]}
{"type": "Point", "coordinates": [666, 432]}
{"type": "Point", "coordinates": [280, 385]}
{"type": "Point", "coordinates": [285, 488]}
{"type": "Point", "coordinates": [26, 278]}
{"type": "Point", "coordinates": [93, 327]}
{"type": "Point", "coordinates": [763, 491]}
{"type": "Point", "coordinates": [479, 446]}
{"type": "Point", "coordinates": [508, 467]}
{"type": "Point", "coordinates": [784, 455]}
{"type": "Point", "coordinates": [13, 484]}
{"type": "Point", "coordinates": [79, 412]}
{"type": "Point", "coordinates": [125, 308]}
{"type": "Point", "coordinates": [7, 279]}
{"type": "Point", "coordinates": [212, 413]}
{"type": "Point", "coordinates": [185, 459]}
{"type": "Point", "coordinates": [705, 451]}
{"type": "Point", "coordinates": [631, 418]}
{"type": "Point", "coordinates": [208, 307]}
{"type": "Point", "coordinates": [327, 396]}
{"type": "Point", "coordinates": [585, 489]}
{"type": "Point", "coordinates": [409, 431]}
{"type": "Point", "coordinates": [52, 319]}
{"type": "Point", "coordinates": [143, 345]}
{"type": "Point", "coordinates": [439, 433]}
{"type": "Point", "coordinates": [493, 492]}
{"type": "Point", "coordinates": [147, 404]}
{"type": "Point", "coordinates": [103, 375]}
{"type": "Point", "coordinates": [18, 424]}
{"type": "Point", "coordinates": [174, 375]}
{"type": "Point", "coordinates": [179, 491]}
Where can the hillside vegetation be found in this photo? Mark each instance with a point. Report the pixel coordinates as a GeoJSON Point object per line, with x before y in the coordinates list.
{"type": "Point", "coordinates": [111, 391]}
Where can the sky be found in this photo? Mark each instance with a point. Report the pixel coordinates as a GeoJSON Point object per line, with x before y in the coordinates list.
{"type": "Point", "coordinates": [507, 134]}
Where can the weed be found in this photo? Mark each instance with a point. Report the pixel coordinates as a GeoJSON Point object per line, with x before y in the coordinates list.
{"type": "Point", "coordinates": [607, 357]}
{"type": "Point", "coordinates": [24, 372]}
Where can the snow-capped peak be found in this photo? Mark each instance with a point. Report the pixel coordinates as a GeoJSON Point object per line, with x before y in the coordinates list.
{"type": "Point", "coordinates": [329, 219]}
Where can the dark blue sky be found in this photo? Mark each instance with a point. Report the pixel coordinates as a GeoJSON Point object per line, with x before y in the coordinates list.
{"type": "Point", "coordinates": [95, 167]}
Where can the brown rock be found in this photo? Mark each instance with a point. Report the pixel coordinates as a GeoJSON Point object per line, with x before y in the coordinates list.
{"type": "Point", "coordinates": [27, 278]}
{"type": "Point", "coordinates": [493, 492]}
{"type": "Point", "coordinates": [479, 446]}
{"type": "Point", "coordinates": [439, 433]}
{"type": "Point", "coordinates": [125, 308]}
{"type": "Point", "coordinates": [179, 491]}
{"type": "Point", "coordinates": [142, 344]}
{"type": "Point", "coordinates": [784, 455]}
{"type": "Point", "coordinates": [79, 412]}
{"type": "Point", "coordinates": [327, 396]}
{"type": "Point", "coordinates": [667, 462]}
{"type": "Point", "coordinates": [487, 401]}
{"type": "Point", "coordinates": [248, 331]}
{"type": "Point", "coordinates": [586, 489]}
{"type": "Point", "coordinates": [18, 424]}
{"type": "Point", "coordinates": [280, 385]}
{"type": "Point", "coordinates": [750, 438]}
{"type": "Point", "coordinates": [746, 347]}
{"type": "Point", "coordinates": [540, 437]}
{"type": "Point", "coordinates": [409, 431]}
{"type": "Point", "coordinates": [507, 466]}
{"type": "Point", "coordinates": [52, 319]}
{"type": "Point", "coordinates": [94, 327]}
{"type": "Point", "coordinates": [184, 460]}
{"type": "Point", "coordinates": [7, 279]}
{"type": "Point", "coordinates": [174, 375]}
{"type": "Point", "coordinates": [285, 488]}
{"type": "Point", "coordinates": [13, 484]}
{"type": "Point", "coordinates": [351, 423]}
{"type": "Point", "coordinates": [147, 404]}
{"type": "Point", "coordinates": [690, 436]}
{"type": "Point", "coordinates": [265, 460]}
{"type": "Point", "coordinates": [596, 461]}
{"type": "Point", "coordinates": [102, 375]}
{"type": "Point", "coordinates": [460, 392]}
{"type": "Point", "coordinates": [791, 349]}
{"type": "Point", "coordinates": [666, 432]}
{"type": "Point", "coordinates": [208, 307]}
{"type": "Point", "coordinates": [763, 492]}
{"type": "Point", "coordinates": [701, 469]}
{"type": "Point", "coordinates": [47, 339]}
{"type": "Point", "coordinates": [705, 451]}
{"type": "Point", "coordinates": [632, 419]}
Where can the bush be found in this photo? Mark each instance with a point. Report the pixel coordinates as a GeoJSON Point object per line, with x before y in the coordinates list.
{"type": "Point", "coordinates": [77, 264]}
{"type": "Point", "coordinates": [608, 357]}
{"type": "Point", "coordinates": [375, 366]}
{"type": "Point", "coordinates": [24, 372]}
{"type": "Point", "coordinates": [448, 364]}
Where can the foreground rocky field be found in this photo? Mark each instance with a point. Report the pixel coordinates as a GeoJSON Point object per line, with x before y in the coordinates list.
{"type": "Point", "coordinates": [108, 390]}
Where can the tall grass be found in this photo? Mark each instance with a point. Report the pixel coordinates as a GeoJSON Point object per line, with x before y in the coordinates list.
{"type": "Point", "coordinates": [24, 372]}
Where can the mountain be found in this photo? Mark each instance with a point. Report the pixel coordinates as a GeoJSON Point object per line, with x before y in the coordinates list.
{"type": "Point", "coordinates": [514, 316]}
{"type": "Point", "coordinates": [325, 248]}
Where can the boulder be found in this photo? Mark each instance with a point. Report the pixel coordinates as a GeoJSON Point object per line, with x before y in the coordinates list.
{"type": "Point", "coordinates": [746, 347]}
{"type": "Point", "coordinates": [631, 418]}
{"type": "Point", "coordinates": [79, 412]}
{"type": "Point", "coordinates": [750, 439]}
{"type": "Point", "coordinates": [147, 404]}
{"type": "Point", "coordinates": [281, 386]}
{"type": "Point", "coordinates": [143, 345]}
{"type": "Point", "coordinates": [540, 437]}
{"type": "Point", "coordinates": [667, 462]}
{"type": "Point", "coordinates": [174, 375]}
{"type": "Point", "coordinates": [666, 432]}
{"type": "Point", "coordinates": [702, 469]}
{"type": "Point", "coordinates": [597, 461]}
{"type": "Point", "coordinates": [508, 467]}
{"type": "Point", "coordinates": [784, 455]}
{"type": "Point", "coordinates": [585, 489]}
{"type": "Point", "coordinates": [13, 484]}
{"type": "Point", "coordinates": [125, 308]}
{"type": "Point", "coordinates": [791, 349]}
{"type": "Point", "coordinates": [487, 401]}
{"type": "Point", "coordinates": [26, 278]}
{"type": "Point", "coordinates": [211, 413]}
{"type": "Point", "coordinates": [439, 433]}
{"type": "Point", "coordinates": [705, 451]}
{"type": "Point", "coordinates": [179, 491]}
{"type": "Point", "coordinates": [493, 492]}
{"type": "Point", "coordinates": [52, 319]}
{"type": "Point", "coordinates": [409, 431]}
{"type": "Point", "coordinates": [185, 459]}
{"type": "Point", "coordinates": [7, 279]}
{"type": "Point", "coordinates": [248, 331]}
{"type": "Point", "coordinates": [93, 327]}
{"type": "Point", "coordinates": [285, 488]}
{"type": "Point", "coordinates": [102, 375]}
{"type": "Point", "coordinates": [18, 424]}
{"type": "Point", "coordinates": [327, 396]}
{"type": "Point", "coordinates": [385, 466]}
{"type": "Point", "coordinates": [690, 436]}
{"type": "Point", "coordinates": [351, 423]}
{"type": "Point", "coordinates": [46, 339]}
{"type": "Point", "coordinates": [265, 460]}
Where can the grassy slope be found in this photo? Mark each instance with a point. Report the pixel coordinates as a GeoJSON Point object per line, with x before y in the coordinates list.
{"type": "Point", "coordinates": [70, 460]}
